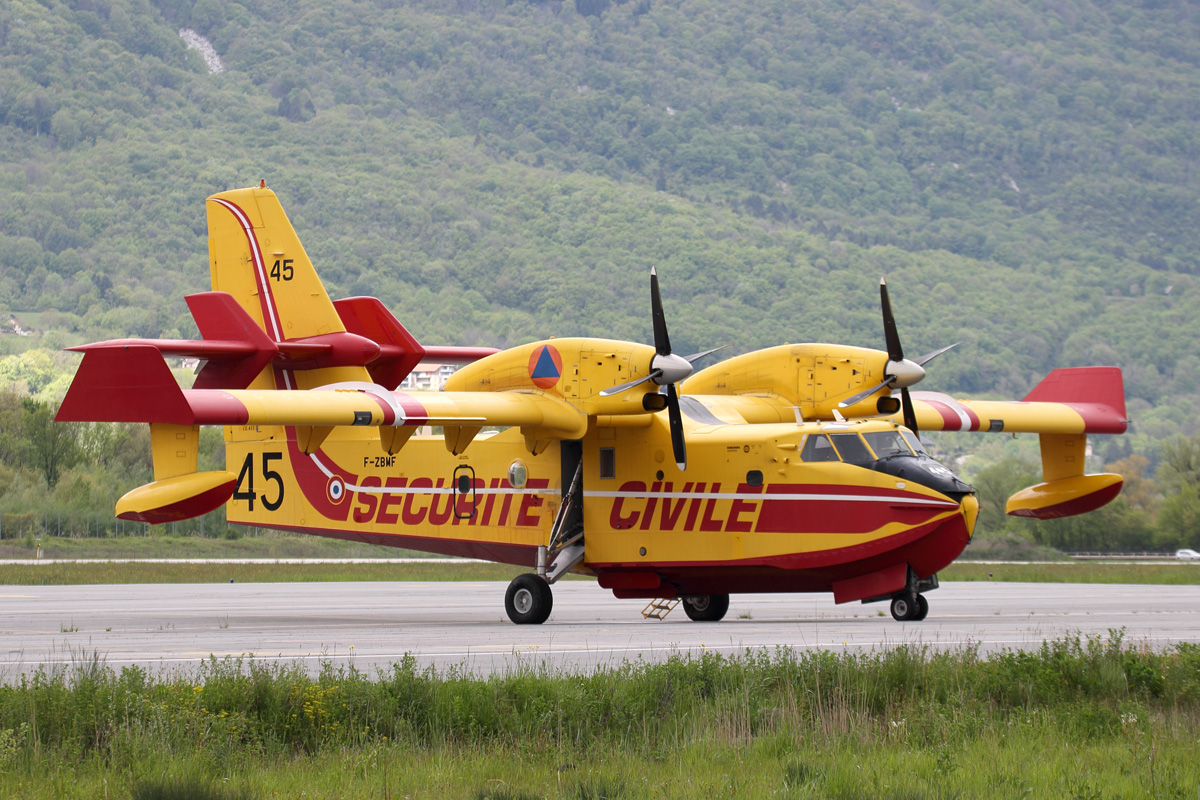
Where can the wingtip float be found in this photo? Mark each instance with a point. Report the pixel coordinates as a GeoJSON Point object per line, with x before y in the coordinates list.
{"type": "Point", "coordinates": [789, 469]}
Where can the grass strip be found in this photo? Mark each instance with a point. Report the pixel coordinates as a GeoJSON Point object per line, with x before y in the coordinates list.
{"type": "Point", "coordinates": [1081, 717]}
{"type": "Point", "coordinates": [61, 574]}
{"type": "Point", "coordinates": [1173, 573]}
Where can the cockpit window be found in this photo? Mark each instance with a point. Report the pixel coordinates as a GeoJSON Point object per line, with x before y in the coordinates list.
{"type": "Point", "coordinates": [887, 443]}
{"type": "Point", "coordinates": [852, 448]}
{"type": "Point", "coordinates": [913, 442]}
{"type": "Point", "coordinates": [817, 447]}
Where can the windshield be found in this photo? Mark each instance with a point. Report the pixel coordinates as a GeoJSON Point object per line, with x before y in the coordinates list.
{"type": "Point", "coordinates": [852, 448]}
{"type": "Point", "coordinates": [913, 442]}
{"type": "Point", "coordinates": [887, 443]}
{"type": "Point", "coordinates": [849, 447]}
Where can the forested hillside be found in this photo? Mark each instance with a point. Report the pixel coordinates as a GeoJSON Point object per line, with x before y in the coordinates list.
{"type": "Point", "coordinates": [1024, 173]}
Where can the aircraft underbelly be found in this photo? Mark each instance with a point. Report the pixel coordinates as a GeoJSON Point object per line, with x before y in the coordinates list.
{"type": "Point", "coordinates": [928, 549]}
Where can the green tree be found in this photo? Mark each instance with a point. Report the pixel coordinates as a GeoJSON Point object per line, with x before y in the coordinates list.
{"type": "Point", "coordinates": [50, 447]}
{"type": "Point", "coordinates": [994, 484]}
{"type": "Point", "coordinates": [1180, 466]}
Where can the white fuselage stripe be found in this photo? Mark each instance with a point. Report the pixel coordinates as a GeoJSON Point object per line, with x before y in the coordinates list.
{"type": "Point", "coordinates": [857, 498]}
{"type": "Point", "coordinates": [852, 498]}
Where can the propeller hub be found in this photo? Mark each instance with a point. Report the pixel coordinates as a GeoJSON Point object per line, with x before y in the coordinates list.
{"type": "Point", "coordinates": [671, 368]}
{"type": "Point", "coordinates": [905, 372]}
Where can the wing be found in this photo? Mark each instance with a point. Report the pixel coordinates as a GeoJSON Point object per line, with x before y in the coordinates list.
{"type": "Point", "coordinates": [133, 384]}
{"type": "Point", "coordinates": [1078, 400]}
{"type": "Point", "coordinates": [1063, 409]}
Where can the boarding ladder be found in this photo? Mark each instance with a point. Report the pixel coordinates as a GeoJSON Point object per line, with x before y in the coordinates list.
{"type": "Point", "coordinates": [565, 549]}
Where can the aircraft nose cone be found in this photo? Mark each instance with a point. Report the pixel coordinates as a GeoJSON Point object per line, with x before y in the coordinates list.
{"type": "Point", "coordinates": [970, 511]}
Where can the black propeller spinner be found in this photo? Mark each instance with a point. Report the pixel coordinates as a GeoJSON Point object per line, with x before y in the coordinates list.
{"type": "Point", "coordinates": [666, 369]}
{"type": "Point", "coordinates": [900, 372]}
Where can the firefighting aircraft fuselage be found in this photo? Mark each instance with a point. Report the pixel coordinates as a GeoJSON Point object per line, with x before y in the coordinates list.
{"type": "Point", "coordinates": [789, 469]}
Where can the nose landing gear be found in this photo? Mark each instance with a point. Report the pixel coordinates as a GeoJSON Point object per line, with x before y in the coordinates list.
{"type": "Point", "coordinates": [909, 604]}
{"type": "Point", "coordinates": [904, 608]}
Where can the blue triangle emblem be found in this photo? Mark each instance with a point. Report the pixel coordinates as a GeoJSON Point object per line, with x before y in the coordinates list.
{"type": "Point", "coordinates": [545, 366]}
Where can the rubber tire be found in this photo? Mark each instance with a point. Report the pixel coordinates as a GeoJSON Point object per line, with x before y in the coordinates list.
{"type": "Point", "coordinates": [528, 600]}
{"type": "Point", "coordinates": [902, 609]}
{"type": "Point", "coordinates": [922, 608]}
{"type": "Point", "coordinates": [706, 607]}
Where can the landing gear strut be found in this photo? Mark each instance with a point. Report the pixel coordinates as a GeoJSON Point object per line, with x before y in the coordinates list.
{"type": "Point", "coordinates": [528, 600]}
{"type": "Point", "coordinates": [909, 604]}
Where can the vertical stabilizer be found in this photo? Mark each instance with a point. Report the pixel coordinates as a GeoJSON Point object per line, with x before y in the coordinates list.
{"type": "Point", "coordinates": [256, 256]}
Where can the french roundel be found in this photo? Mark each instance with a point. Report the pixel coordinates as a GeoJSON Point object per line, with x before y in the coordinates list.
{"type": "Point", "coordinates": [545, 366]}
{"type": "Point", "coordinates": [336, 490]}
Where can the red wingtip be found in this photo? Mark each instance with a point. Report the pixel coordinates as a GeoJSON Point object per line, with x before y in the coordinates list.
{"type": "Point", "coordinates": [129, 383]}
{"type": "Point", "coordinates": [1097, 393]}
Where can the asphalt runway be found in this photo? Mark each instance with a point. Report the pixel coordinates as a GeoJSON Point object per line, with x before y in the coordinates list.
{"type": "Point", "coordinates": [174, 627]}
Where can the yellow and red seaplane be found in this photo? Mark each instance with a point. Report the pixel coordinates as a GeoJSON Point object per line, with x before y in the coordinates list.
{"type": "Point", "coordinates": [790, 469]}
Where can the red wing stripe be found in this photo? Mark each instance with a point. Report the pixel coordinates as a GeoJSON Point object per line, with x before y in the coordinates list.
{"type": "Point", "coordinates": [414, 412]}
{"type": "Point", "coordinates": [389, 413]}
{"type": "Point", "coordinates": [212, 407]}
{"type": "Point", "coordinates": [950, 420]}
{"type": "Point", "coordinates": [1099, 418]}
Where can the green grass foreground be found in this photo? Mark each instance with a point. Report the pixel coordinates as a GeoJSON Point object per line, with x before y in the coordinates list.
{"type": "Point", "coordinates": [60, 574]}
{"type": "Point", "coordinates": [1085, 718]}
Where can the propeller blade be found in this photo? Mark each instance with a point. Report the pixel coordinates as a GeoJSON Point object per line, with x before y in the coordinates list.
{"type": "Point", "coordinates": [676, 419]}
{"type": "Point", "coordinates": [894, 350]}
{"type": "Point", "coordinates": [910, 415]}
{"type": "Point", "coordinates": [629, 385]}
{"type": "Point", "coordinates": [662, 342]}
{"type": "Point", "coordinates": [925, 359]}
{"type": "Point", "coordinates": [865, 393]}
{"type": "Point", "coordinates": [694, 357]}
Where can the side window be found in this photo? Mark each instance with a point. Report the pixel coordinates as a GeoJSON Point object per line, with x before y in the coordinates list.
{"type": "Point", "coordinates": [817, 447]}
{"type": "Point", "coordinates": [852, 448]}
{"type": "Point", "coordinates": [608, 462]}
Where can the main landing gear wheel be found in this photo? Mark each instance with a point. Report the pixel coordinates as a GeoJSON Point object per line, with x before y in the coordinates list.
{"type": "Point", "coordinates": [706, 607]}
{"type": "Point", "coordinates": [528, 600]}
{"type": "Point", "coordinates": [904, 609]}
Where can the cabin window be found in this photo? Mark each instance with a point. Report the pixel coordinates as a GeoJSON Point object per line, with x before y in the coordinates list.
{"type": "Point", "coordinates": [754, 478]}
{"type": "Point", "coordinates": [518, 474]}
{"type": "Point", "coordinates": [608, 462]}
{"type": "Point", "coordinates": [887, 443]}
{"type": "Point", "coordinates": [817, 447]}
{"type": "Point", "coordinates": [852, 449]}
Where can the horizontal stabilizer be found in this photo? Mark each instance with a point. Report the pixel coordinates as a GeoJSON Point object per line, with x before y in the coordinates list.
{"type": "Point", "coordinates": [399, 351]}
{"type": "Point", "coordinates": [220, 318]}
